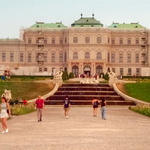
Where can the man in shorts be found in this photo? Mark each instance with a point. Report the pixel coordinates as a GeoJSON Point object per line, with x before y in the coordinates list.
{"type": "Point", "coordinates": [66, 104]}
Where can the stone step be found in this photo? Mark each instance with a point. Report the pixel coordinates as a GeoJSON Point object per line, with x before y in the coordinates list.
{"type": "Point", "coordinates": [85, 97]}
{"type": "Point", "coordinates": [85, 89]}
{"type": "Point", "coordinates": [85, 93]}
{"type": "Point", "coordinates": [86, 85]}
{"type": "Point", "coordinates": [82, 94]}
{"type": "Point", "coordinates": [86, 102]}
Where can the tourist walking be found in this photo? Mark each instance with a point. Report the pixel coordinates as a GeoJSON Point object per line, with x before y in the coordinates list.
{"type": "Point", "coordinates": [39, 106]}
{"type": "Point", "coordinates": [66, 104]}
{"type": "Point", "coordinates": [5, 113]}
{"type": "Point", "coordinates": [95, 103]}
{"type": "Point", "coordinates": [103, 109]}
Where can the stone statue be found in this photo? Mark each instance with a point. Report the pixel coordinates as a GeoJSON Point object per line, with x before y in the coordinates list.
{"type": "Point", "coordinates": [58, 75]}
{"type": "Point", "coordinates": [112, 74]}
{"type": "Point", "coordinates": [112, 78]}
{"type": "Point", "coordinates": [7, 95]}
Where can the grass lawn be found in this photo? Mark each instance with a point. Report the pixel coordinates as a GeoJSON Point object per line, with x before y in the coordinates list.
{"type": "Point", "coordinates": [25, 90]}
{"type": "Point", "coordinates": [138, 90]}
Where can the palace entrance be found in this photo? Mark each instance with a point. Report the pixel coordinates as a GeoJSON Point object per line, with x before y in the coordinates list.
{"type": "Point", "coordinates": [87, 70]}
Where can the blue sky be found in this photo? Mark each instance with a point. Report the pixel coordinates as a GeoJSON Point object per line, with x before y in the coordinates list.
{"type": "Point", "coordinates": [15, 14]}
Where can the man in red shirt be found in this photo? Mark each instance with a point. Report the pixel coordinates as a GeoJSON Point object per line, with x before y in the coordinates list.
{"type": "Point", "coordinates": [39, 106]}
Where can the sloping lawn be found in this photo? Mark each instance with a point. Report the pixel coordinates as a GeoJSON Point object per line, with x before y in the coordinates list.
{"type": "Point", "coordinates": [138, 90]}
{"type": "Point", "coordinates": [25, 90]}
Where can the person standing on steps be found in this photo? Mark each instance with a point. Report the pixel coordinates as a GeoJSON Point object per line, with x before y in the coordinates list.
{"type": "Point", "coordinates": [39, 107]}
{"type": "Point", "coordinates": [5, 113]}
{"type": "Point", "coordinates": [95, 103]}
{"type": "Point", "coordinates": [66, 104]}
{"type": "Point", "coordinates": [103, 109]}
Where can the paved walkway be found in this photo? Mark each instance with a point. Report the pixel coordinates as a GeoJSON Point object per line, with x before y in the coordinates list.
{"type": "Point", "coordinates": [123, 130]}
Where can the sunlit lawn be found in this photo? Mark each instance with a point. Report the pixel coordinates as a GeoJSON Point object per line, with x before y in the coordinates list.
{"type": "Point", "coordinates": [25, 90]}
{"type": "Point", "coordinates": [139, 90]}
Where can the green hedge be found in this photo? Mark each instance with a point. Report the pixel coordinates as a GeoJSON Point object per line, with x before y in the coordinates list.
{"type": "Point", "coordinates": [142, 109]}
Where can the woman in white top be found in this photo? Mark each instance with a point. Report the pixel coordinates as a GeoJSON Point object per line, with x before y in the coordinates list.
{"type": "Point", "coordinates": [4, 114]}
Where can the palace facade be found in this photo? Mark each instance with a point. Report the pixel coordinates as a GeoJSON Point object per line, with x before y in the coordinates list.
{"type": "Point", "coordinates": [85, 47]}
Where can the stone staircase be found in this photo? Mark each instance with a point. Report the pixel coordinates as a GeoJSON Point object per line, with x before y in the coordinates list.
{"type": "Point", "coordinates": [82, 94]}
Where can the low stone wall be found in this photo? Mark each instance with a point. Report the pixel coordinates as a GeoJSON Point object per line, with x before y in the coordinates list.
{"type": "Point", "coordinates": [126, 97]}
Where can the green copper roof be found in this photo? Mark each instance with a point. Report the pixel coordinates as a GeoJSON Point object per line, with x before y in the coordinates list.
{"type": "Point", "coordinates": [87, 22]}
{"type": "Point", "coordinates": [126, 26]}
{"type": "Point", "coordinates": [48, 25]}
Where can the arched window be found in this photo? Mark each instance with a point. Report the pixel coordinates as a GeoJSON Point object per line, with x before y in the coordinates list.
{"type": "Point", "coordinates": [75, 70]}
{"type": "Point", "coordinates": [87, 55]}
{"type": "Point", "coordinates": [99, 69]}
{"type": "Point", "coordinates": [99, 56]}
{"type": "Point", "coordinates": [75, 55]}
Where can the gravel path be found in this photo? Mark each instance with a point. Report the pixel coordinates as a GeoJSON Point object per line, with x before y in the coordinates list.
{"type": "Point", "coordinates": [123, 130]}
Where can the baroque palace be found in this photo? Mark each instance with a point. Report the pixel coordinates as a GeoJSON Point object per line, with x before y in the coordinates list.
{"type": "Point", "coordinates": [85, 47]}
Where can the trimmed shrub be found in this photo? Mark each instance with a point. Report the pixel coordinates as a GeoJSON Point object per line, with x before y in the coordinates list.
{"type": "Point", "coordinates": [71, 75]}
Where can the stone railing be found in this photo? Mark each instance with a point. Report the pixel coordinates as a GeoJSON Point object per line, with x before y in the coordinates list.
{"type": "Point", "coordinates": [48, 94]}
{"type": "Point", "coordinates": [126, 97]}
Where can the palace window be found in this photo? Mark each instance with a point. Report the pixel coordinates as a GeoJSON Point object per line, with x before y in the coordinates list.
{"type": "Point", "coordinates": [29, 40]}
{"type": "Point", "coordinates": [53, 57]}
{"type": "Point", "coordinates": [112, 57]}
{"type": "Point", "coordinates": [75, 40]}
{"type": "Point", "coordinates": [87, 40]}
{"type": "Point", "coordinates": [53, 40]}
{"type": "Point", "coordinates": [45, 69]}
{"type": "Point", "coordinates": [129, 58]}
{"type": "Point", "coordinates": [40, 69]}
{"type": "Point", "coordinates": [99, 40]}
{"type": "Point", "coordinates": [99, 56]}
{"type": "Point", "coordinates": [11, 57]}
{"type": "Point", "coordinates": [29, 57]}
{"type": "Point", "coordinates": [137, 71]}
{"type": "Point", "coordinates": [99, 69]}
{"type": "Point", "coordinates": [113, 41]}
{"type": "Point", "coordinates": [21, 57]}
{"type": "Point", "coordinates": [120, 58]}
{"type": "Point", "coordinates": [75, 70]}
{"type": "Point", "coordinates": [121, 71]}
{"type": "Point", "coordinates": [129, 71]}
{"type": "Point", "coordinates": [121, 41]}
{"type": "Point", "coordinates": [45, 40]}
{"type": "Point", "coordinates": [65, 57]}
{"type": "Point", "coordinates": [75, 56]}
{"type": "Point", "coordinates": [137, 41]}
{"type": "Point", "coordinates": [61, 57]}
{"type": "Point", "coordinates": [129, 41]}
{"type": "Point", "coordinates": [137, 58]}
{"type": "Point", "coordinates": [65, 40]}
{"type": "Point", "coordinates": [45, 57]}
{"type": "Point", "coordinates": [61, 40]}
{"type": "Point", "coordinates": [108, 40]}
{"type": "Point", "coordinates": [3, 57]}
{"type": "Point", "coordinates": [37, 40]}
{"type": "Point", "coordinates": [87, 55]}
